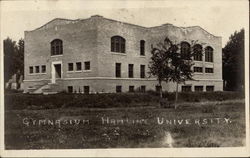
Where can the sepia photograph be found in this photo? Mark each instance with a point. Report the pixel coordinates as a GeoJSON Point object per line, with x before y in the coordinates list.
{"type": "Point", "coordinates": [124, 78]}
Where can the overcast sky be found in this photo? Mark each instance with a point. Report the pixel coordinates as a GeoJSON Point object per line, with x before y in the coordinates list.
{"type": "Point", "coordinates": [220, 17]}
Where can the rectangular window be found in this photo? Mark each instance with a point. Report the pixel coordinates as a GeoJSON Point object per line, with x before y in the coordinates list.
{"type": "Point", "coordinates": [78, 66]}
{"type": "Point", "coordinates": [143, 88]}
{"type": "Point", "coordinates": [118, 69]}
{"type": "Point", "coordinates": [209, 88]}
{"type": "Point", "coordinates": [31, 70]}
{"type": "Point", "coordinates": [70, 67]}
{"type": "Point", "coordinates": [130, 70]}
{"type": "Point", "coordinates": [37, 69]}
{"type": "Point", "coordinates": [131, 88]}
{"type": "Point", "coordinates": [87, 65]}
{"type": "Point", "coordinates": [86, 89]}
{"type": "Point", "coordinates": [209, 70]}
{"type": "Point", "coordinates": [198, 69]}
{"type": "Point", "coordinates": [142, 47]}
{"type": "Point", "coordinates": [70, 89]}
{"type": "Point", "coordinates": [118, 89]}
{"type": "Point", "coordinates": [142, 71]}
{"type": "Point", "coordinates": [157, 88]}
{"type": "Point", "coordinates": [43, 68]}
{"type": "Point", "coordinates": [186, 88]}
{"type": "Point", "coordinates": [198, 88]}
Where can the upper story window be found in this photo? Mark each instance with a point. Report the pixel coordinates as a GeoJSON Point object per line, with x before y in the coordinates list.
{"type": "Point", "coordinates": [185, 50]}
{"type": "Point", "coordinates": [142, 47]}
{"type": "Point", "coordinates": [118, 44]}
{"type": "Point", "coordinates": [87, 65]}
{"type": "Point", "coordinates": [56, 47]}
{"type": "Point", "coordinates": [198, 52]}
{"type": "Point", "coordinates": [209, 54]}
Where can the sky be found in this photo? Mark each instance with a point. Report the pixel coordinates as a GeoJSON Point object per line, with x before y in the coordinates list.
{"type": "Point", "coordinates": [220, 17]}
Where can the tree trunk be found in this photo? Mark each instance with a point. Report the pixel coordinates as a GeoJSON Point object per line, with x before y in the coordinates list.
{"type": "Point", "coordinates": [176, 96]}
{"type": "Point", "coordinates": [160, 90]}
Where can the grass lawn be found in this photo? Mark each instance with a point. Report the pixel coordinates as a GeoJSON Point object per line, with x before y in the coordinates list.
{"type": "Point", "coordinates": [193, 124]}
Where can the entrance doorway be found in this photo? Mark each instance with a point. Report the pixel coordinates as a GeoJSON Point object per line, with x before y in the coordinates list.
{"type": "Point", "coordinates": [56, 71]}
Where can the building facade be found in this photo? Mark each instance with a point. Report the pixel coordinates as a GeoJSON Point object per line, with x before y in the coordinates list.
{"type": "Point", "coordinates": [105, 56]}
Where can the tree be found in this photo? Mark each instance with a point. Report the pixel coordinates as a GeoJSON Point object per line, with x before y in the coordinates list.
{"type": "Point", "coordinates": [13, 58]}
{"type": "Point", "coordinates": [233, 62]}
{"type": "Point", "coordinates": [170, 64]}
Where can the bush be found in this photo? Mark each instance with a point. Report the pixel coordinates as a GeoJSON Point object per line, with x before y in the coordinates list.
{"type": "Point", "coordinates": [23, 101]}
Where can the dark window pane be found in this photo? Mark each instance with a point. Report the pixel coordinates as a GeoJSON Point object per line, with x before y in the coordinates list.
{"type": "Point", "coordinates": [56, 47]}
{"type": "Point", "coordinates": [131, 88]}
{"type": "Point", "coordinates": [31, 70]}
{"type": "Point", "coordinates": [142, 71]}
{"type": "Point", "coordinates": [118, 89]}
{"type": "Point", "coordinates": [86, 89]}
{"type": "Point", "coordinates": [157, 88]}
{"type": "Point", "coordinates": [142, 47]}
{"type": "Point", "coordinates": [198, 69]}
{"type": "Point", "coordinates": [209, 54]}
{"type": "Point", "coordinates": [70, 89]}
{"type": "Point", "coordinates": [43, 68]}
{"type": "Point", "coordinates": [186, 88]}
{"type": "Point", "coordinates": [198, 88]}
{"type": "Point", "coordinates": [118, 44]}
{"type": "Point", "coordinates": [70, 67]}
{"type": "Point", "coordinates": [78, 66]}
{"type": "Point", "coordinates": [198, 52]}
{"type": "Point", "coordinates": [209, 88]}
{"type": "Point", "coordinates": [37, 69]}
{"type": "Point", "coordinates": [185, 50]}
{"type": "Point", "coordinates": [209, 70]}
{"type": "Point", "coordinates": [143, 88]}
{"type": "Point", "coordinates": [117, 69]}
{"type": "Point", "coordinates": [87, 65]}
{"type": "Point", "coordinates": [130, 70]}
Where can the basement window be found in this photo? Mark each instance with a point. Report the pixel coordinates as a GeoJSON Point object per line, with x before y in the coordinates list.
{"type": "Point", "coordinates": [70, 89]}
{"type": "Point", "coordinates": [86, 89]}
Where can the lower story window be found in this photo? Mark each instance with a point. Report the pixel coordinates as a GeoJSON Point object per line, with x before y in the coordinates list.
{"type": "Point", "coordinates": [31, 70]}
{"type": "Point", "coordinates": [143, 88]}
{"type": "Point", "coordinates": [197, 69]}
{"type": "Point", "coordinates": [131, 88]}
{"type": "Point", "coordinates": [86, 89]}
{"type": "Point", "coordinates": [157, 88]}
{"type": "Point", "coordinates": [43, 68]}
{"type": "Point", "coordinates": [198, 88]}
{"type": "Point", "coordinates": [209, 70]}
{"type": "Point", "coordinates": [70, 89]}
{"type": "Point", "coordinates": [118, 89]}
{"type": "Point", "coordinates": [209, 88]}
{"type": "Point", "coordinates": [186, 88]}
{"type": "Point", "coordinates": [37, 69]}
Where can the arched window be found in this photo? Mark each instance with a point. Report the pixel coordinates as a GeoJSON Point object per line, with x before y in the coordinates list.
{"type": "Point", "coordinates": [142, 47]}
{"type": "Point", "coordinates": [185, 50]}
{"type": "Point", "coordinates": [56, 47]}
{"type": "Point", "coordinates": [198, 52]}
{"type": "Point", "coordinates": [118, 44]}
{"type": "Point", "coordinates": [209, 54]}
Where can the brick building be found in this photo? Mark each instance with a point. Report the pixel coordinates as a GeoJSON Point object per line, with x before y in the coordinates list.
{"type": "Point", "coordinates": [103, 55]}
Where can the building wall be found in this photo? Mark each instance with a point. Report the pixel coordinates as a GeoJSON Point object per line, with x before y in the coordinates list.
{"type": "Point", "coordinates": [90, 40]}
